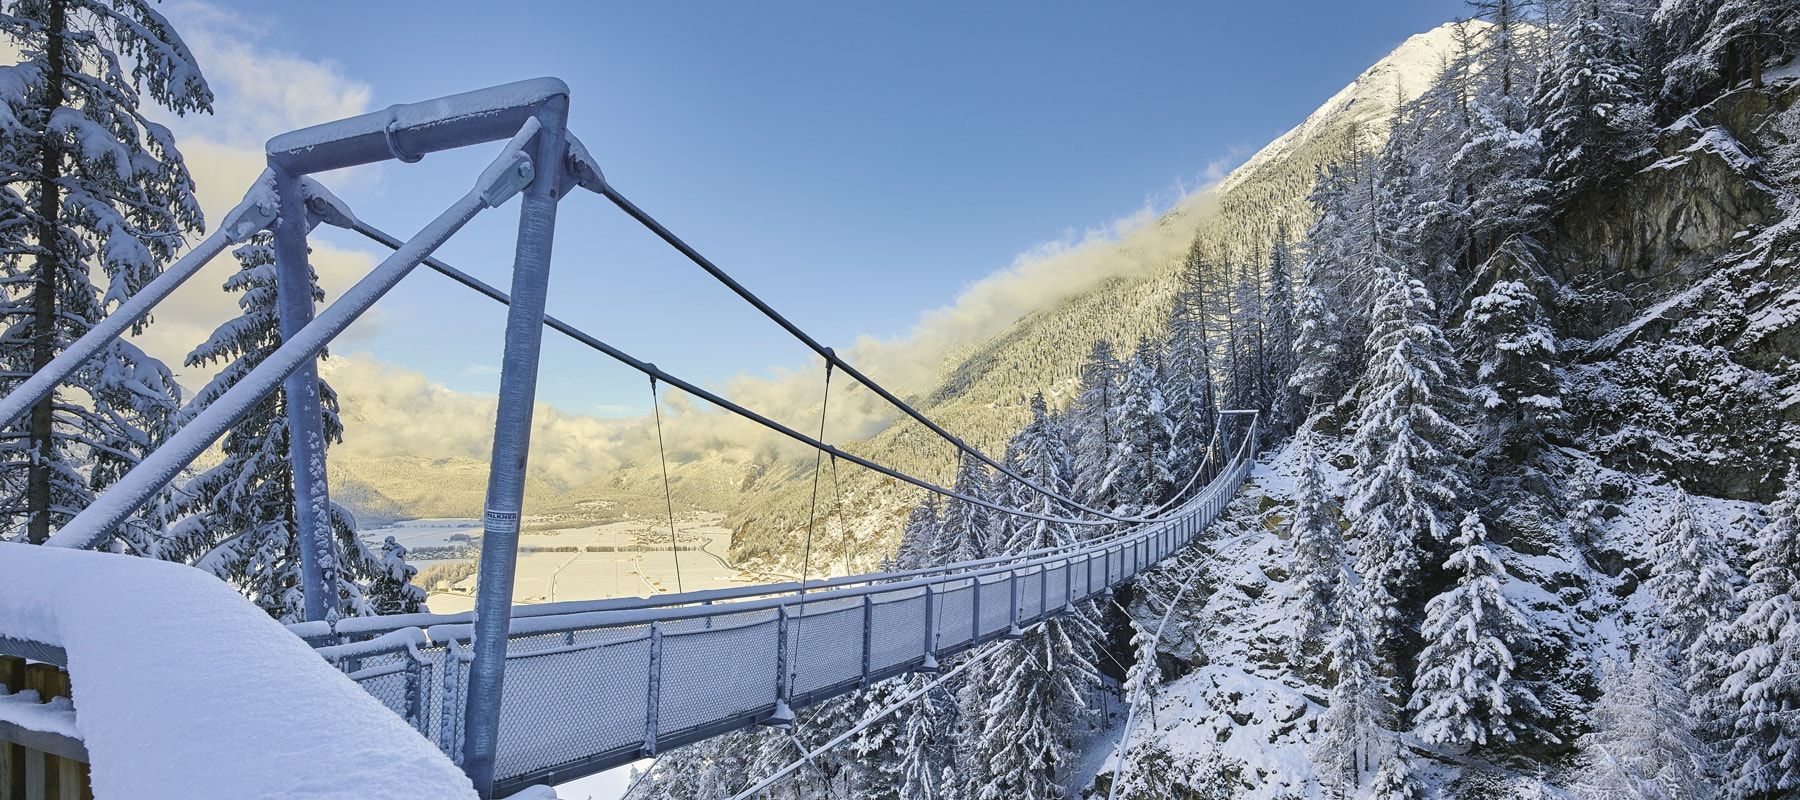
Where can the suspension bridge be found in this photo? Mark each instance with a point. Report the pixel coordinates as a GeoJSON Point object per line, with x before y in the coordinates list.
{"type": "Point", "coordinates": [526, 694]}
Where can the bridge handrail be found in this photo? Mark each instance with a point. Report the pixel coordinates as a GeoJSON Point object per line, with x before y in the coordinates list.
{"type": "Point", "coordinates": [351, 628]}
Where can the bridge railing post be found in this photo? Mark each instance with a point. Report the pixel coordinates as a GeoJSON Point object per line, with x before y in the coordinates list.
{"type": "Point", "coordinates": [868, 634]}
{"type": "Point", "coordinates": [783, 681]}
{"type": "Point", "coordinates": [1012, 589]}
{"type": "Point", "coordinates": [930, 665]}
{"type": "Point", "coordinates": [653, 690]}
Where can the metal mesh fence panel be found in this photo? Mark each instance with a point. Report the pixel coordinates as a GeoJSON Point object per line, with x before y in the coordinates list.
{"type": "Point", "coordinates": [1031, 594]}
{"type": "Point", "coordinates": [714, 674]}
{"type": "Point", "coordinates": [1056, 586]}
{"type": "Point", "coordinates": [996, 604]}
{"type": "Point", "coordinates": [897, 629]}
{"type": "Point", "coordinates": [566, 699]}
{"type": "Point", "coordinates": [955, 605]}
{"type": "Point", "coordinates": [826, 647]}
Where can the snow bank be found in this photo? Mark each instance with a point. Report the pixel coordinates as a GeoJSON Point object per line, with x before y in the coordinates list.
{"type": "Point", "coordinates": [185, 690]}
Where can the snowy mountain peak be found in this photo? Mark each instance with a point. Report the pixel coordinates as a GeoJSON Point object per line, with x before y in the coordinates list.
{"type": "Point", "coordinates": [1369, 100]}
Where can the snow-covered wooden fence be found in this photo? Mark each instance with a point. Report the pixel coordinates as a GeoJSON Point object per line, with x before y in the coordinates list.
{"type": "Point", "coordinates": [40, 758]}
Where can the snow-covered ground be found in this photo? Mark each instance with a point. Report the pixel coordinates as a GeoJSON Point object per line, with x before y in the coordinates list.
{"type": "Point", "coordinates": [630, 558]}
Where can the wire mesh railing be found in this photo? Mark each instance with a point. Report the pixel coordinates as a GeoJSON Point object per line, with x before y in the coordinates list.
{"type": "Point", "coordinates": [616, 681]}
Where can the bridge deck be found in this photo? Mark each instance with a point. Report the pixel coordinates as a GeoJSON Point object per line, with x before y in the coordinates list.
{"type": "Point", "coordinates": [590, 686]}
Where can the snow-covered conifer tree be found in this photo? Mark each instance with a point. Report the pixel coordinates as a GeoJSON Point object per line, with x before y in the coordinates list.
{"type": "Point", "coordinates": [237, 517]}
{"type": "Point", "coordinates": [1410, 472]}
{"type": "Point", "coordinates": [1093, 415]}
{"type": "Point", "coordinates": [1642, 743]}
{"type": "Point", "coordinates": [1280, 333]}
{"type": "Point", "coordinates": [1188, 366]}
{"type": "Point", "coordinates": [1518, 386]}
{"type": "Point", "coordinates": [1032, 694]}
{"type": "Point", "coordinates": [97, 199]}
{"type": "Point", "coordinates": [1395, 779]}
{"type": "Point", "coordinates": [964, 529]}
{"type": "Point", "coordinates": [1315, 344]}
{"type": "Point", "coordinates": [1465, 693]}
{"type": "Point", "coordinates": [927, 745]}
{"type": "Point", "coordinates": [1353, 734]}
{"type": "Point", "coordinates": [1137, 471]}
{"type": "Point", "coordinates": [1595, 115]}
{"type": "Point", "coordinates": [1736, 42]}
{"type": "Point", "coordinates": [1318, 557]}
{"type": "Point", "coordinates": [920, 536]}
{"type": "Point", "coordinates": [1694, 585]}
{"type": "Point", "coordinates": [1761, 694]}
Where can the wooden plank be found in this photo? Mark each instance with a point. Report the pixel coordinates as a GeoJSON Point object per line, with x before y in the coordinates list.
{"type": "Point", "coordinates": [12, 674]}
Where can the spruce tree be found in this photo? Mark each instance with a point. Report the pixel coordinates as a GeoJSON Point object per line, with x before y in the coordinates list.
{"type": "Point", "coordinates": [1596, 118]}
{"type": "Point", "coordinates": [237, 518]}
{"type": "Point", "coordinates": [1694, 585]}
{"type": "Point", "coordinates": [1188, 365]}
{"type": "Point", "coordinates": [97, 201]}
{"type": "Point", "coordinates": [1396, 780]}
{"type": "Point", "coordinates": [1032, 694]}
{"type": "Point", "coordinates": [1093, 420]}
{"type": "Point", "coordinates": [964, 532]}
{"type": "Point", "coordinates": [1642, 743]}
{"type": "Point", "coordinates": [1761, 693]}
{"type": "Point", "coordinates": [1137, 475]}
{"type": "Point", "coordinates": [1410, 472]}
{"type": "Point", "coordinates": [1318, 560]}
{"type": "Point", "coordinates": [927, 745]}
{"type": "Point", "coordinates": [1466, 693]}
{"type": "Point", "coordinates": [920, 536]}
{"type": "Point", "coordinates": [1353, 734]}
{"type": "Point", "coordinates": [1518, 386]}
{"type": "Point", "coordinates": [1315, 343]}
{"type": "Point", "coordinates": [1280, 331]}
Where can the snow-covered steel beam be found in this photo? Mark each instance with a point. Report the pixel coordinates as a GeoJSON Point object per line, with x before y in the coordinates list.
{"type": "Point", "coordinates": [410, 131]}
{"type": "Point", "coordinates": [497, 183]}
{"type": "Point", "coordinates": [234, 708]}
{"type": "Point", "coordinates": [503, 508]}
{"type": "Point", "coordinates": [251, 215]}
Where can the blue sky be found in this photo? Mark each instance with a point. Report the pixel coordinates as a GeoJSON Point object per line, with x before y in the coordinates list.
{"type": "Point", "coordinates": [856, 163]}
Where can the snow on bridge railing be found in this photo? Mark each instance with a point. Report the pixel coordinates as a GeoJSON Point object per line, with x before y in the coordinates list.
{"type": "Point", "coordinates": [183, 688]}
{"type": "Point", "coordinates": [593, 685]}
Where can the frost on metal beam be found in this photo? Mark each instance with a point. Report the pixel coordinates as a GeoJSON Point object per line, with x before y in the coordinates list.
{"type": "Point", "coordinates": [409, 131]}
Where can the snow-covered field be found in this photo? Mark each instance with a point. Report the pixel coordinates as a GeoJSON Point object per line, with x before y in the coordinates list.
{"type": "Point", "coordinates": [631, 558]}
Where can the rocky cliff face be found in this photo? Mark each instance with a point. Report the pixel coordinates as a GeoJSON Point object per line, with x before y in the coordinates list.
{"type": "Point", "coordinates": [1684, 308]}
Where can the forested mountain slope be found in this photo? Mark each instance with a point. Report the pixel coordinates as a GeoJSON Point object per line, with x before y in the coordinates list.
{"type": "Point", "coordinates": [984, 394]}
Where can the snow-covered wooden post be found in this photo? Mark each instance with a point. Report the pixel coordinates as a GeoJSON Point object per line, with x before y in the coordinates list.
{"type": "Point", "coordinates": [512, 439]}
{"type": "Point", "coordinates": [305, 418]}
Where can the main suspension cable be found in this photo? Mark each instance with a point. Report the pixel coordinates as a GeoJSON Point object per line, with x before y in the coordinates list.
{"type": "Point", "coordinates": [669, 237]}
{"type": "Point", "coordinates": [652, 370]}
{"type": "Point", "coordinates": [647, 368]}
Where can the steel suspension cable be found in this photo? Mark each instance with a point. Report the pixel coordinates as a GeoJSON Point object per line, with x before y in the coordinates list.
{"type": "Point", "coordinates": [811, 516]}
{"type": "Point", "coordinates": [647, 368]}
{"type": "Point", "coordinates": [662, 454]}
{"type": "Point", "coordinates": [669, 237]}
